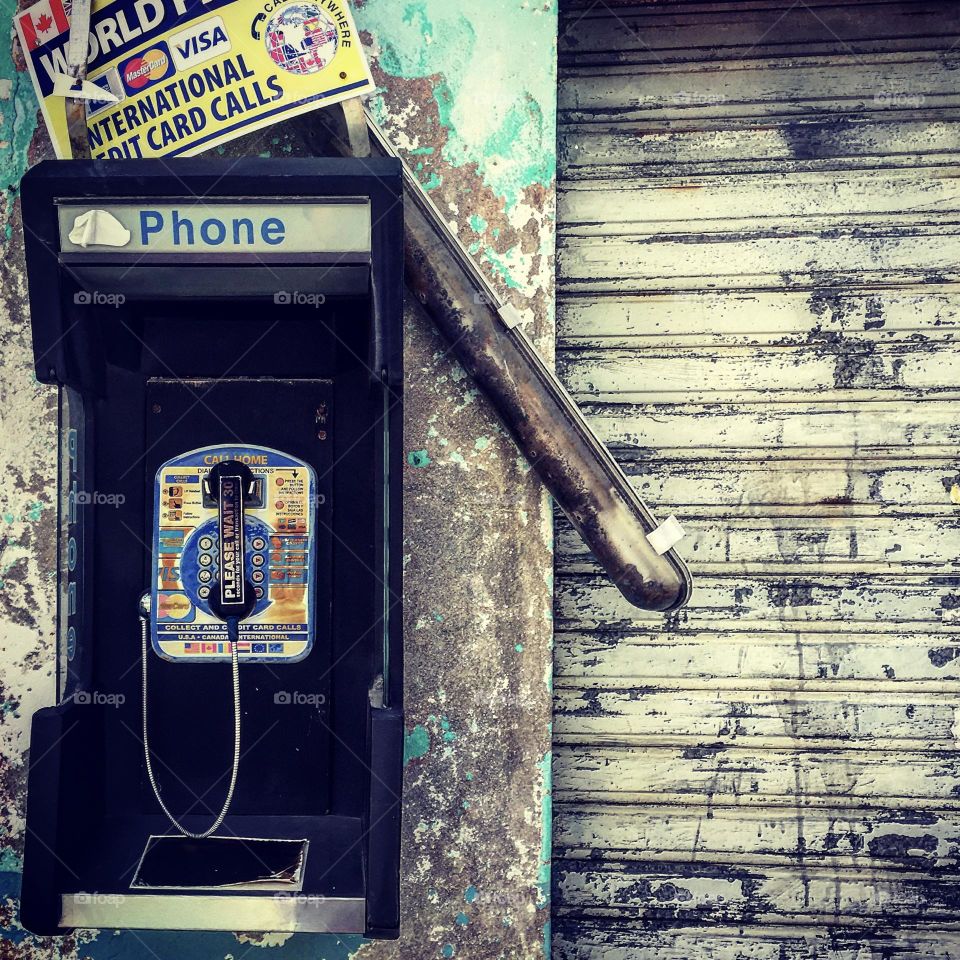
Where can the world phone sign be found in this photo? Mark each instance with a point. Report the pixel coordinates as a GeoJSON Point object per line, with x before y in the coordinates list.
{"type": "Point", "coordinates": [189, 75]}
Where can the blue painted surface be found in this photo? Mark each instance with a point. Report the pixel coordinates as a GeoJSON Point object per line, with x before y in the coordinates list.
{"type": "Point", "coordinates": [128, 944]}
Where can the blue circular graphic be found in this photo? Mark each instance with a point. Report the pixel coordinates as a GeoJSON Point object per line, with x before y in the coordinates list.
{"type": "Point", "coordinates": [199, 568]}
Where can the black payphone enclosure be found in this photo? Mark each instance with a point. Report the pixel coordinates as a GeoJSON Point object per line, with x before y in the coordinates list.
{"type": "Point", "coordinates": [224, 306]}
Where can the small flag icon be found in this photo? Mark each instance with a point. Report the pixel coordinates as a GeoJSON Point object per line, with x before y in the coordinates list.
{"type": "Point", "coordinates": [43, 22]}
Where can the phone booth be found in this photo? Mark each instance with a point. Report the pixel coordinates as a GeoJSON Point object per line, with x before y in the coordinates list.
{"type": "Point", "coordinates": [226, 750]}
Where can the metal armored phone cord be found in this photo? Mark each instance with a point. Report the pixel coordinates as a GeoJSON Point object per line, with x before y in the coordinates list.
{"type": "Point", "coordinates": [233, 635]}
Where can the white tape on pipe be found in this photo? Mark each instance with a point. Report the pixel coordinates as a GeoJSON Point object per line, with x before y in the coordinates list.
{"type": "Point", "coordinates": [666, 536]}
{"type": "Point", "coordinates": [510, 316]}
{"type": "Point", "coordinates": [78, 42]}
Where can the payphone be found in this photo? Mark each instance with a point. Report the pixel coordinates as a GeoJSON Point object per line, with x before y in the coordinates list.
{"type": "Point", "coordinates": [226, 750]}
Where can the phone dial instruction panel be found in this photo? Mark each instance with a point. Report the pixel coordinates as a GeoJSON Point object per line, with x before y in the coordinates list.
{"type": "Point", "coordinates": [280, 557]}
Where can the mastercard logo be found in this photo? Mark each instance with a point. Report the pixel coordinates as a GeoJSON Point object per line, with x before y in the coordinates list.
{"type": "Point", "coordinates": [148, 68]}
{"type": "Point", "coordinates": [174, 606]}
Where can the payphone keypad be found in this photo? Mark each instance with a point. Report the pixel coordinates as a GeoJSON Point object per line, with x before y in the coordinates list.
{"type": "Point", "coordinates": [279, 558]}
{"type": "Point", "coordinates": [199, 563]}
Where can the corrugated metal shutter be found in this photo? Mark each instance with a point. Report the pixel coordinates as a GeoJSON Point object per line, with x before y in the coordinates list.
{"type": "Point", "coordinates": [758, 267]}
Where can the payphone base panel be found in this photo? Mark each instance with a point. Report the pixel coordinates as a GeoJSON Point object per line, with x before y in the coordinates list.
{"type": "Point", "coordinates": [328, 899]}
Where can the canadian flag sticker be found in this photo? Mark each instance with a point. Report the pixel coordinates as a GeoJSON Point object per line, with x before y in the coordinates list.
{"type": "Point", "coordinates": [42, 22]}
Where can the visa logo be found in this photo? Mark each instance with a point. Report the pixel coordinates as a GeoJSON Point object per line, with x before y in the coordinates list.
{"type": "Point", "coordinates": [199, 42]}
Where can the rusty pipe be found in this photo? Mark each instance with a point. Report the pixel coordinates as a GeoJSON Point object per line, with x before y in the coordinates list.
{"type": "Point", "coordinates": [579, 471]}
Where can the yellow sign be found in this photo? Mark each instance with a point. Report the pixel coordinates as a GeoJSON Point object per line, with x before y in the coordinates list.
{"type": "Point", "coordinates": [181, 76]}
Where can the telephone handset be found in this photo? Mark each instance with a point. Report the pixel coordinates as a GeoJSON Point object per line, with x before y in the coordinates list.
{"type": "Point", "coordinates": [234, 556]}
{"type": "Point", "coordinates": [232, 596]}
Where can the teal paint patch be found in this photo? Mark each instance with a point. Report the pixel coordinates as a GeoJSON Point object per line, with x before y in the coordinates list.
{"type": "Point", "coordinates": [500, 268]}
{"type": "Point", "coordinates": [419, 458]}
{"type": "Point", "coordinates": [462, 919]}
{"type": "Point", "coordinates": [435, 181]}
{"type": "Point", "coordinates": [481, 443]}
{"type": "Point", "coordinates": [33, 514]}
{"type": "Point", "coordinates": [546, 844]}
{"type": "Point", "coordinates": [470, 894]}
{"type": "Point", "coordinates": [513, 138]}
{"type": "Point", "coordinates": [448, 735]}
{"type": "Point", "coordinates": [447, 950]}
{"type": "Point", "coordinates": [518, 647]}
{"type": "Point", "coordinates": [18, 120]}
{"type": "Point", "coordinates": [416, 744]}
{"type": "Point", "coordinates": [477, 223]}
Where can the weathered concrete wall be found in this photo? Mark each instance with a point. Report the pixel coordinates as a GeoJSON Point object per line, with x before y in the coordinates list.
{"type": "Point", "coordinates": [469, 96]}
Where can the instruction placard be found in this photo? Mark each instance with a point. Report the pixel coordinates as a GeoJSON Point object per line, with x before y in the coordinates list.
{"type": "Point", "coordinates": [189, 75]}
{"type": "Point", "coordinates": [277, 554]}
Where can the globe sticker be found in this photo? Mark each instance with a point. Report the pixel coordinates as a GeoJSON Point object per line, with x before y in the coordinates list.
{"type": "Point", "coordinates": [301, 38]}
